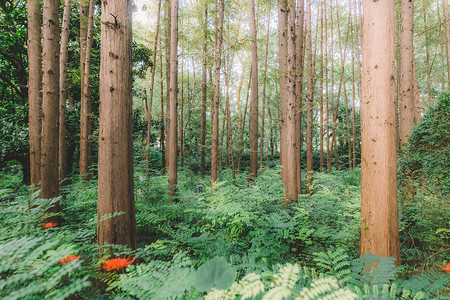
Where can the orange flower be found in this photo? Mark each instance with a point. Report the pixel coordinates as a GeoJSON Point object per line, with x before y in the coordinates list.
{"type": "Point", "coordinates": [69, 258]}
{"type": "Point", "coordinates": [49, 225]}
{"type": "Point", "coordinates": [446, 268]}
{"type": "Point", "coordinates": [116, 263]}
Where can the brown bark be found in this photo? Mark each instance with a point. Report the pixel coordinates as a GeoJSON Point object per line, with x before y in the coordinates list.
{"type": "Point", "coordinates": [86, 103]}
{"type": "Point", "coordinates": [355, 37]}
{"type": "Point", "coordinates": [163, 130]}
{"type": "Point", "coordinates": [347, 119]}
{"type": "Point", "coordinates": [215, 110]}
{"type": "Point", "coordinates": [310, 104]}
{"type": "Point", "coordinates": [115, 163]}
{"type": "Point", "coordinates": [62, 156]}
{"type": "Point", "coordinates": [254, 96]}
{"type": "Point", "coordinates": [152, 85]}
{"type": "Point", "coordinates": [50, 105]}
{"type": "Point", "coordinates": [173, 92]}
{"type": "Point", "coordinates": [181, 117]}
{"type": "Point", "coordinates": [379, 212]}
{"type": "Point", "coordinates": [287, 98]}
{"type": "Point", "coordinates": [241, 139]}
{"type": "Point", "coordinates": [167, 13]}
{"type": "Point", "coordinates": [204, 95]}
{"type": "Point", "coordinates": [34, 87]}
{"type": "Point", "coordinates": [228, 116]}
{"type": "Point", "coordinates": [84, 17]}
{"type": "Point", "coordinates": [441, 44]}
{"type": "Point", "coordinates": [331, 104]}
{"type": "Point", "coordinates": [321, 91]}
{"type": "Point", "coordinates": [263, 108]}
{"type": "Point", "coordinates": [299, 61]}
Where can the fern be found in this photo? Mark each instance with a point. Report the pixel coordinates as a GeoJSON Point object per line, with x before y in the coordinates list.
{"type": "Point", "coordinates": [325, 288]}
{"type": "Point", "coordinates": [336, 262]}
{"type": "Point", "coordinates": [373, 270]}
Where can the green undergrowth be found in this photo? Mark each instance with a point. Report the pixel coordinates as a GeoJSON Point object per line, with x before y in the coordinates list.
{"type": "Point", "coordinates": [235, 240]}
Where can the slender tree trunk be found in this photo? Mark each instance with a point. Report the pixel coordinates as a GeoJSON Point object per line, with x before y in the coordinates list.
{"type": "Point", "coordinates": [168, 47]}
{"type": "Point", "coordinates": [228, 116]}
{"type": "Point", "coordinates": [173, 91]}
{"type": "Point", "coordinates": [379, 212]}
{"type": "Point", "coordinates": [355, 42]}
{"type": "Point", "coordinates": [62, 156]}
{"type": "Point", "coordinates": [309, 128]}
{"type": "Point", "coordinates": [406, 81]}
{"type": "Point", "coordinates": [331, 105]}
{"type": "Point", "coordinates": [215, 111]}
{"type": "Point", "coordinates": [287, 99]}
{"type": "Point", "coordinates": [417, 115]}
{"type": "Point", "coordinates": [427, 57]}
{"type": "Point", "coordinates": [241, 139]}
{"type": "Point", "coordinates": [447, 33]}
{"type": "Point", "coordinates": [441, 44]}
{"type": "Point", "coordinates": [264, 91]}
{"type": "Point", "coordinates": [299, 61]}
{"type": "Point", "coordinates": [86, 103]}
{"type": "Point", "coordinates": [238, 98]}
{"type": "Point", "coordinates": [115, 163]}
{"type": "Point", "coordinates": [181, 117]}
{"type": "Point", "coordinates": [163, 118]}
{"type": "Point", "coordinates": [34, 88]}
{"type": "Point", "coordinates": [349, 138]}
{"type": "Point", "coordinates": [327, 92]}
{"type": "Point", "coordinates": [254, 96]}
{"type": "Point", "coordinates": [50, 106]}
{"type": "Point", "coordinates": [321, 90]}
{"type": "Point", "coordinates": [204, 95]}
{"type": "Point", "coordinates": [84, 20]}
{"type": "Point", "coordinates": [152, 85]}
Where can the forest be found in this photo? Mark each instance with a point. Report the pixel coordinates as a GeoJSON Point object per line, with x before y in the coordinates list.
{"type": "Point", "coordinates": [212, 149]}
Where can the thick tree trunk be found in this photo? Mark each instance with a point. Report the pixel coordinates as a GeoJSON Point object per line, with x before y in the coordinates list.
{"type": "Point", "coordinates": [309, 128]}
{"type": "Point", "coordinates": [86, 103]}
{"type": "Point", "coordinates": [204, 95]}
{"type": "Point", "coordinates": [254, 96]}
{"type": "Point", "coordinates": [63, 91]}
{"type": "Point", "coordinates": [287, 99]}
{"type": "Point", "coordinates": [379, 212]}
{"type": "Point", "coordinates": [173, 92]}
{"type": "Point", "coordinates": [34, 88]}
{"type": "Point", "coordinates": [115, 208]}
{"type": "Point", "coordinates": [50, 105]}
{"type": "Point", "coordinates": [215, 110]}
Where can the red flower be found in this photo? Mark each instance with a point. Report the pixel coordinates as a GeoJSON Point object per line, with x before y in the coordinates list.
{"type": "Point", "coordinates": [49, 225]}
{"type": "Point", "coordinates": [446, 268]}
{"type": "Point", "coordinates": [116, 263]}
{"type": "Point", "coordinates": [69, 258]}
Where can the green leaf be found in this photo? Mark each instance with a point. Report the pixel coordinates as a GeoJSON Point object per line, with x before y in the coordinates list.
{"type": "Point", "coordinates": [214, 273]}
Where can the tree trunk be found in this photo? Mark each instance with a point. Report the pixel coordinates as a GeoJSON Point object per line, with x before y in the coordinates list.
{"type": "Point", "coordinates": [173, 91]}
{"type": "Point", "coordinates": [115, 208]}
{"type": "Point", "coordinates": [309, 128]}
{"type": "Point", "coordinates": [163, 130]}
{"type": "Point", "coordinates": [152, 86]}
{"type": "Point", "coordinates": [181, 117]}
{"type": "Point", "coordinates": [287, 99]}
{"type": "Point", "coordinates": [86, 103]}
{"type": "Point", "coordinates": [427, 57]}
{"type": "Point", "coordinates": [441, 44]}
{"type": "Point", "coordinates": [50, 105]}
{"type": "Point", "coordinates": [204, 95]}
{"type": "Point", "coordinates": [299, 60]}
{"type": "Point", "coordinates": [353, 84]}
{"type": "Point", "coordinates": [331, 104]}
{"type": "Point", "coordinates": [168, 24]}
{"type": "Point", "coordinates": [63, 91]}
{"type": "Point", "coordinates": [321, 91]}
{"type": "Point", "coordinates": [34, 88]}
{"type": "Point", "coordinates": [379, 212]}
{"type": "Point", "coordinates": [254, 96]}
{"type": "Point", "coordinates": [264, 91]}
{"type": "Point", "coordinates": [84, 17]}
{"type": "Point", "coordinates": [241, 139]}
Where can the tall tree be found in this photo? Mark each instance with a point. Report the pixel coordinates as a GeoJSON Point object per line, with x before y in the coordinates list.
{"type": "Point", "coordinates": [215, 106]}
{"type": "Point", "coordinates": [204, 93]}
{"type": "Point", "coordinates": [254, 95]}
{"type": "Point", "coordinates": [406, 81]}
{"type": "Point", "coordinates": [50, 104]}
{"type": "Point", "coordinates": [63, 54]}
{"type": "Point", "coordinates": [264, 89]}
{"type": "Point", "coordinates": [115, 207]}
{"type": "Point", "coordinates": [173, 95]}
{"type": "Point", "coordinates": [447, 33]}
{"type": "Point", "coordinates": [86, 102]}
{"type": "Point", "coordinates": [379, 212]}
{"type": "Point", "coordinates": [310, 107]}
{"type": "Point", "coordinates": [34, 87]}
{"type": "Point", "coordinates": [287, 99]}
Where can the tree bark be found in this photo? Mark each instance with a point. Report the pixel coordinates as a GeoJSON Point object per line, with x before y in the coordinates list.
{"type": "Point", "coordinates": [62, 156]}
{"type": "Point", "coordinates": [181, 117]}
{"type": "Point", "coordinates": [34, 88]}
{"type": "Point", "coordinates": [441, 44]}
{"type": "Point", "coordinates": [86, 103]}
{"type": "Point", "coordinates": [242, 126]}
{"type": "Point", "coordinates": [447, 34]}
{"type": "Point", "coordinates": [379, 212]}
{"type": "Point", "coordinates": [309, 128]}
{"type": "Point", "coordinates": [173, 92]}
{"type": "Point", "coordinates": [215, 108]}
{"type": "Point", "coordinates": [115, 208]}
{"type": "Point", "coordinates": [331, 104]}
{"type": "Point", "coordinates": [254, 96]}
{"type": "Point", "coordinates": [204, 95]}
{"type": "Point", "coordinates": [50, 105]}
{"type": "Point", "coordinates": [163, 130]}
{"type": "Point", "coordinates": [264, 91]}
